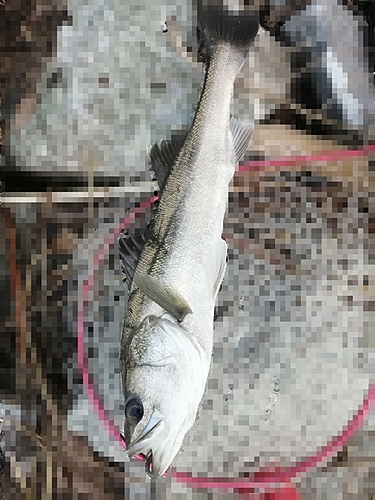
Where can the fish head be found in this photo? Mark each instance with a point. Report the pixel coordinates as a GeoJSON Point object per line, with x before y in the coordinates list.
{"type": "Point", "coordinates": [164, 379]}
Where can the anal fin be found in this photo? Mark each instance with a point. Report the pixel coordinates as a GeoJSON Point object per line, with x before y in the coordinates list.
{"type": "Point", "coordinates": [215, 265]}
{"type": "Point", "coordinates": [242, 136]}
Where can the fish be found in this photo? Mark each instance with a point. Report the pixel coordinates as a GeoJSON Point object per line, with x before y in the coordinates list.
{"type": "Point", "coordinates": [176, 268]}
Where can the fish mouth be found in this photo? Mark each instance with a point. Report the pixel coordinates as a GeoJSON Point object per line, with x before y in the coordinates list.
{"type": "Point", "coordinates": [149, 467]}
{"type": "Point", "coordinates": [148, 460]}
{"type": "Point", "coordinates": [143, 442]}
{"type": "Point", "coordinates": [150, 446]}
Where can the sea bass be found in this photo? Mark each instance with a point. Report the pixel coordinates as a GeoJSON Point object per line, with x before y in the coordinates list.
{"type": "Point", "coordinates": [167, 336]}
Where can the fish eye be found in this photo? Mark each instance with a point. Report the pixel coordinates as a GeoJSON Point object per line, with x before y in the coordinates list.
{"type": "Point", "coordinates": [134, 409]}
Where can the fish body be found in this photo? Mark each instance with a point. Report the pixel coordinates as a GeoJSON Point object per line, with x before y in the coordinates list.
{"type": "Point", "coordinates": [167, 336]}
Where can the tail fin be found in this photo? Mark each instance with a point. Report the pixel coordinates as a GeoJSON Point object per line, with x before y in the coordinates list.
{"type": "Point", "coordinates": [218, 26]}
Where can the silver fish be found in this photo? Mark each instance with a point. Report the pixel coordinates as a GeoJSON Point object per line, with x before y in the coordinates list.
{"type": "Point", "coordinates": [167, 336]}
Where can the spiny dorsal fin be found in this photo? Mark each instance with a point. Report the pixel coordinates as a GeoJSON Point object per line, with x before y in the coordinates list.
{"type": "Point", "coordinates": [166, 297]}
{"type": "Point", "coordinates": [161, 158]}
{"type": "Point", "coordinates": [242, 135]}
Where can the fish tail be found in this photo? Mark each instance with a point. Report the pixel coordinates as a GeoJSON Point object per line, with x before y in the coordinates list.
{"type": "Point", "coordinates": [221, 26]}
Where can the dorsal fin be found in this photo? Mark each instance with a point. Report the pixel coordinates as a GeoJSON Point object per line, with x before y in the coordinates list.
{"type": "Point", "coordinates": [130, 248]}
{"type": "Point", "coordinates": [161, 158]}
{"type": "Point", "coordinates": [242, 135]}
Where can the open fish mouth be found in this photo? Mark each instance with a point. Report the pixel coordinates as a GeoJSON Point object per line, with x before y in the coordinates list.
{"type": "Point", "coordinates": [144, 441]}
{"type": "Point", "coordinates": [143, 445]}
{"type": "Point", "coordinates": [149, 470]}
{"type": "Point", "coordinates": [149, 466]}
{"type": "Point", "coordinates": [148, 459]}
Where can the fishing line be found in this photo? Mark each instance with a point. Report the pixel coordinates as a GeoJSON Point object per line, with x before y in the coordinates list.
{"type": "Point", "coordinates": [262, 479]}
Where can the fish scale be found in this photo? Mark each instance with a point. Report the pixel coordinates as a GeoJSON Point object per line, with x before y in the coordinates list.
{"type": "Point", "coordinates": [167, 337]}
{"type": "Point", "coordinates": [182, 216]}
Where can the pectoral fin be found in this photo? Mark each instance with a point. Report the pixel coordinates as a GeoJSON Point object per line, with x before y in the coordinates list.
{"type": "Point", "coordinates": [163, 295]}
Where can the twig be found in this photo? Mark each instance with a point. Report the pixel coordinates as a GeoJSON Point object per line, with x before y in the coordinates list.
{"type": "Point", "coordinates": [78, 196]}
